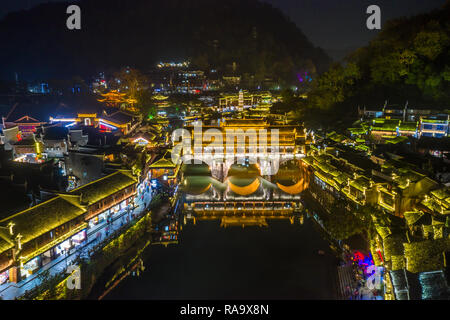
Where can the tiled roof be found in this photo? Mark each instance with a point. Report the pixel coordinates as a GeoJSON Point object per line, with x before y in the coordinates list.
{"type": "Point", "coordinates": [104, 187]}
{"type": "Point", "coordinates": [42, 218]}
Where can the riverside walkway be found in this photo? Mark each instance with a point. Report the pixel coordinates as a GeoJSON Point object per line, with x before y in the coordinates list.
{"type": "Point", "coordinates": [10, 291]}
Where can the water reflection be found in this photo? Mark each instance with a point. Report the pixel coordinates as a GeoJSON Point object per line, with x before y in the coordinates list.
{"type": "Point", "coordinates": [281, 261]}
{"type": "Point", "coordinates": [218, 259]}
{"type": "Point", "coordinates": [238, 195]}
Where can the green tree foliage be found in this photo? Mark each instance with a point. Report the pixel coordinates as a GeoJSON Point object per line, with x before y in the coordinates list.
{"type": "Point", "coordinates": [129, 80]}
{"type": "Point", "coordinates": [408, 60]}
{"type": "Point", "coordinates": [386, 69]}
{"type": "Point", "coordinates": [410, 53]}
{"type": "Point", "coordinates": [334, 86]}
{"type": "Point", "coordinates": [342, 224]}
{"type": "Point", "coordinates": [430, 44]}
{"type": "Point", "coordinates": [290, 102]}
{"type": "Point", "coordinates": [145, 104]}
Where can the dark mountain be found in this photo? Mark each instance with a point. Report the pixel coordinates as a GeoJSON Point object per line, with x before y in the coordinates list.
{"type": "Point", "coordinates": [409, 60]}
{"type": "Point", "coordinates": [258, 38]}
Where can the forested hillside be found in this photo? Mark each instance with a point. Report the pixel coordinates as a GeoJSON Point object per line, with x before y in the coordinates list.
{"type": "Point", "coordinates": [408, 61]}
{"type": "Point", "coordinates": [242, 36]}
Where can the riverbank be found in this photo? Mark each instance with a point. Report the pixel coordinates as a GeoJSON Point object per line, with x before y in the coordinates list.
{"type": "Point", "coordinates": [353, 267]}
{"type": "Point", "coordinates": [108, 260]}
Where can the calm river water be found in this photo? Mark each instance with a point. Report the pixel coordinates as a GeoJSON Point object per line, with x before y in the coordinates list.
{"type": "Point", "coordinates": [281, 261]}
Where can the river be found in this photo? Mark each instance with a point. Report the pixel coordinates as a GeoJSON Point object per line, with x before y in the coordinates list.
{"type": "Point", "coordinates": [281, 261]}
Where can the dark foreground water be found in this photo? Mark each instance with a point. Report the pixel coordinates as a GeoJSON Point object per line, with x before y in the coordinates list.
{"type": "Point", "coordinates": [278, 262]}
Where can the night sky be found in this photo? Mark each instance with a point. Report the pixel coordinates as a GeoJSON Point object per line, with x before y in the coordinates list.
{"type": "Point", "coordinates": [341, 25]}
{"type": "Point", "coordinates": [337, 26]}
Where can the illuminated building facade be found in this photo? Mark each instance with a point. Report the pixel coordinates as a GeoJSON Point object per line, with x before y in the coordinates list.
{"type": "Point", "coordinates": [244, 197]}
{"type": "Point", "coordinates": [27, 125]}
{"type": "Point", "coordinates": [143, 139]}
{"type": "Point", "coordinates": [386, 122]}
{"type": "Point", "coordinates": [119, 120]}
{"type": "Point", "coordinates": [407, 210]}
{"type": "Point", "coordinates": [243, 193]}
{"type": "Point", "coordinates": [164, 171]}
{"type": "Point", "coordinates": [113, 98]}
{"type": "Point", "coordinates": [337, 174]}
{"type": "Point", "coordinates": [244, 99]}
{"type": "Point", "coordinates": [34, 237]}
{"type": "Point", "coordinates": [383, 128]}
{"type": "Point", "coordinates": [290, 143]}
{"type": "Point", "coordinates": [231, 80]}
{"type": "Point", "coordinates": [28, 150]}
{"type": "Point", "coordinates": [434, 126]}
{"type": "Point", "coordinates": [171, 77]}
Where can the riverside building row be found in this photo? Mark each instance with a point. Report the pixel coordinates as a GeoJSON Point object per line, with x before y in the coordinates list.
{"type": "Point", "coordinates": [32, 238]}
{"type": "Point", "coordinates": [337, 172]}
{"type": "Point", "coordinates": [408, 210]}
{"type": "Point", "coordinates": [390, 121]}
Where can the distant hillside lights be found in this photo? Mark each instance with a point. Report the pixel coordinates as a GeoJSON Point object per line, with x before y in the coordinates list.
{"type": "Point", "coordinates": [250, 147]}
{"type": "Point", "coordinates": [173, 64]}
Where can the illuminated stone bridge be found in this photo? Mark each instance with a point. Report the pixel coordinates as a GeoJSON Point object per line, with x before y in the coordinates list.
{"type": "Point", "coordinates": [244, 197]}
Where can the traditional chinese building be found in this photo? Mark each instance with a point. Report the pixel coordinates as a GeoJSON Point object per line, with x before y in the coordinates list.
{"type": "Point", "coordinates": [164, 170]}
{"type": "Point", "coordinates": [244, 98]}
{"type": "Point", "coordinates": [244, 197]}
{"type": "Point", "coordinates": [27, 125]}
{"type": "Point", "coordinates": [434, 125]}
{"type": "Point", "coordinates": [34, 237]}
{"type": "Point", "coordinates": [259, 139]}
{"type": "Point", "coordinates": [113, 98]}
{"type": "Point", "coordinates": [119, 120]}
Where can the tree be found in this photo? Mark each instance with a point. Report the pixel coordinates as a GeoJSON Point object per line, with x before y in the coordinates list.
{"type": "Point", "coordinates": [130, 81]}
{"type": "Point", "coordinates": [430, 44]}
{"type": "Point", "coordinates": [290, 103]}
{"type": "Point", "coordinates": [334, 86]}
{"type": "Point", "coordinates": [408, 60]}
{"type": "Point", "coordinates": [387, 68]}
{"type": "Point", "coordinates": [145, 104]}
{"type": "Point", "coordinates": [342, 224]}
